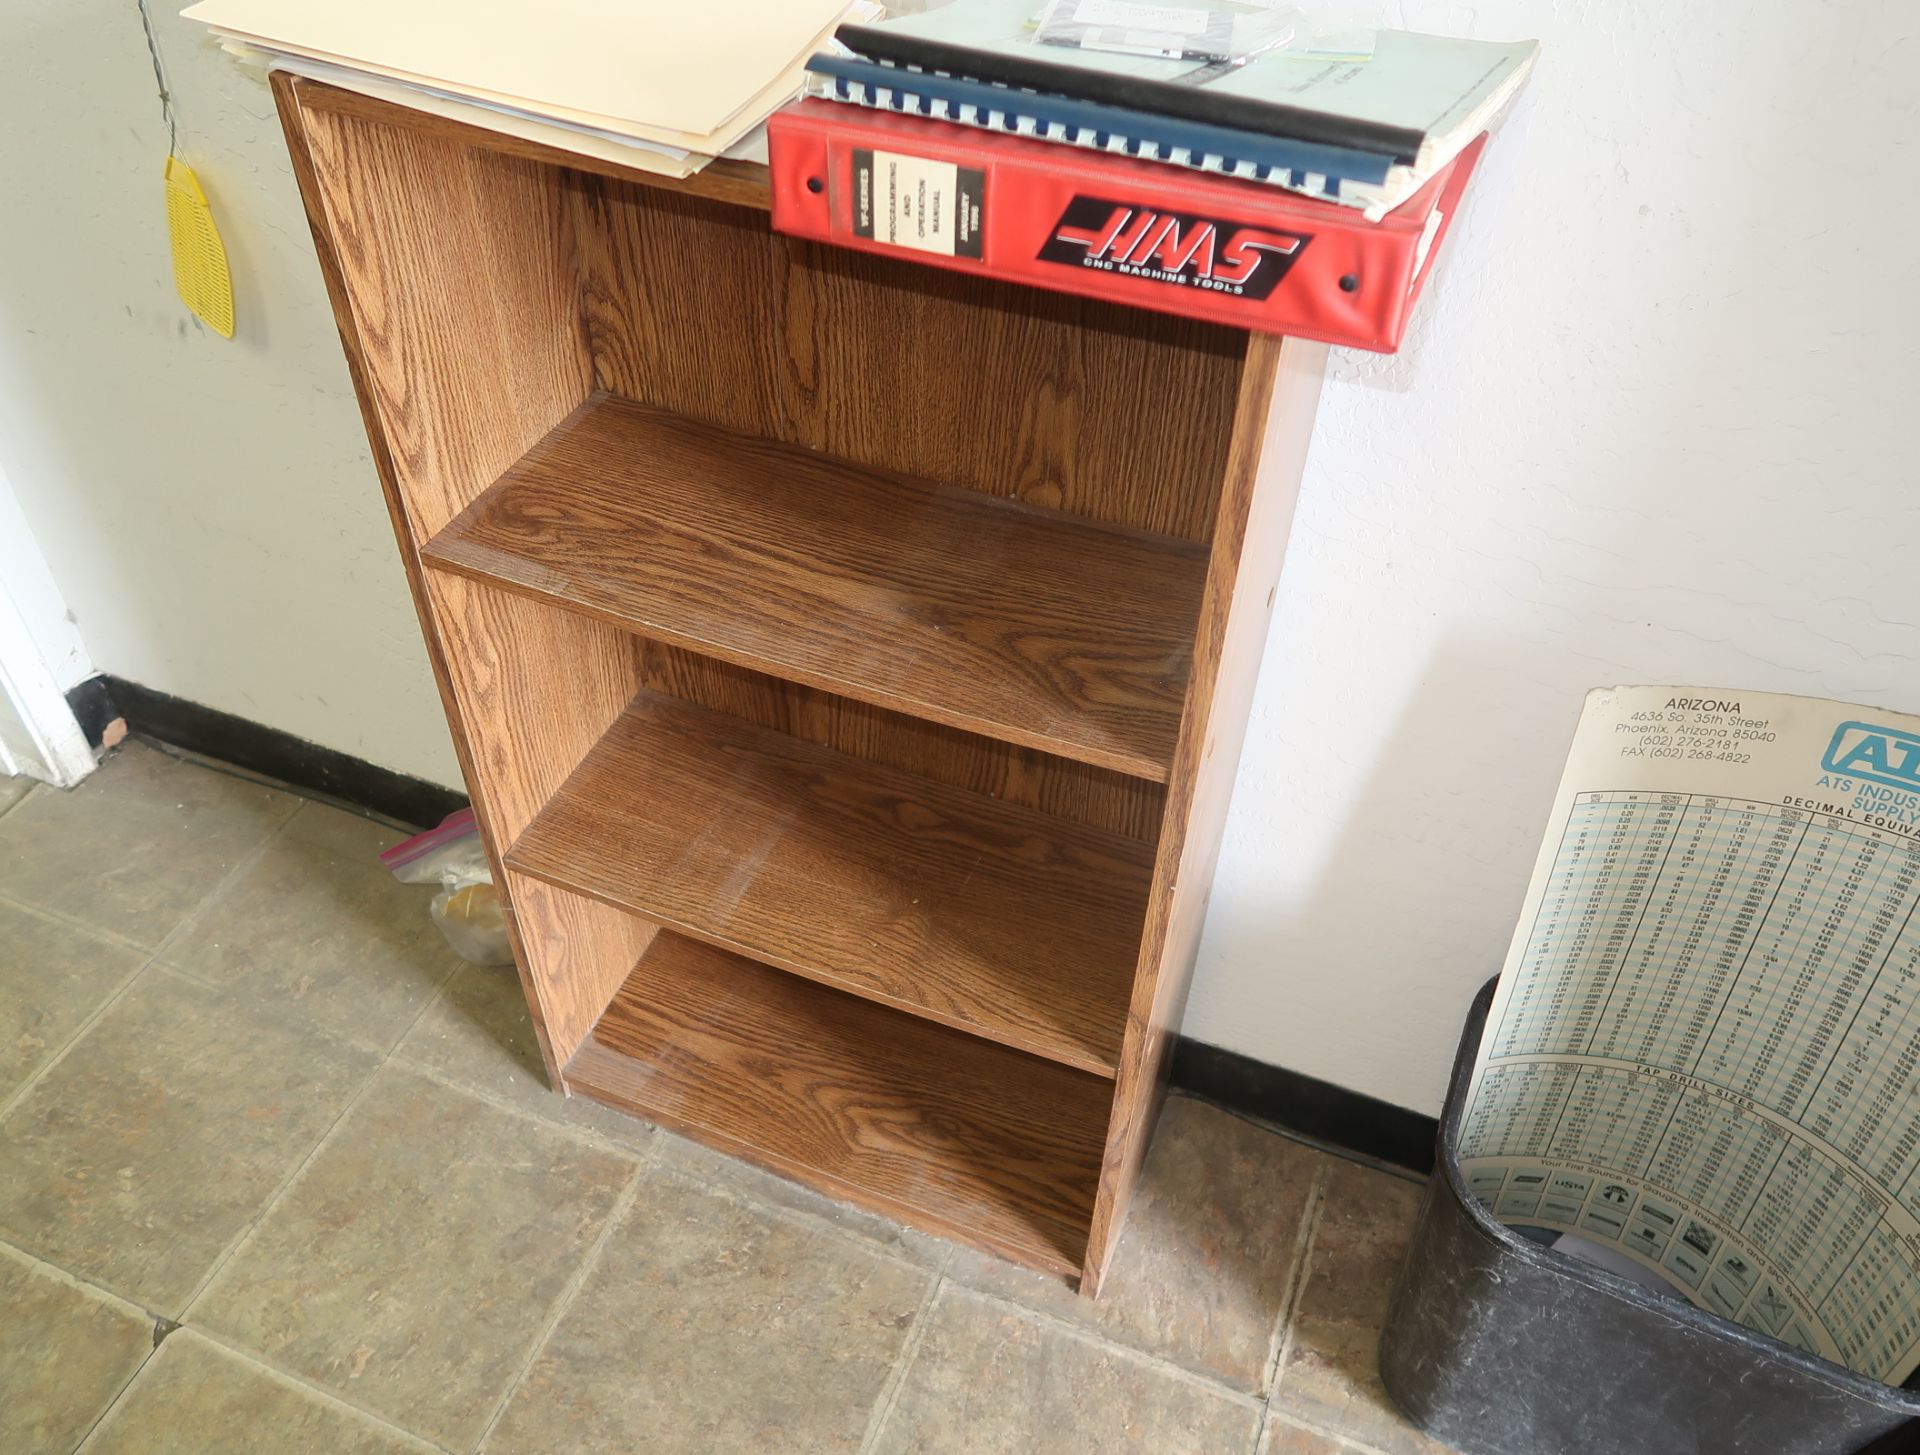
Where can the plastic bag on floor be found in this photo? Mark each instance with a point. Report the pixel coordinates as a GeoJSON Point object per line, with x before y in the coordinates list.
{"type": "Point", "coordinates": [467, 908]}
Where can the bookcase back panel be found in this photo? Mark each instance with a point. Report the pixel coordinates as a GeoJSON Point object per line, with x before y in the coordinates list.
{"type": "Point", "coordinates": [1076, 791]}
{"type": "Point", "coordinates": [678, 302]}
{"type": "Point", "coordinates": [1115, 415]}
{"type": "Point", "coordinates": [693, 305]}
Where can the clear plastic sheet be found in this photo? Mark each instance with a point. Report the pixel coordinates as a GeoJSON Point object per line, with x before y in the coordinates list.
{"type": "Point", "coordinates": [467, 908]}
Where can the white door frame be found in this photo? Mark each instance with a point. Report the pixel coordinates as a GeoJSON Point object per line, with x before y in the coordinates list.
{"type": "Point", "coordinates": [41, 657]}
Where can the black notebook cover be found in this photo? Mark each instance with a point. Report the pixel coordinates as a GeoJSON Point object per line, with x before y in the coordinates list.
{"type": "Point", "coordinates": [1189, 103]}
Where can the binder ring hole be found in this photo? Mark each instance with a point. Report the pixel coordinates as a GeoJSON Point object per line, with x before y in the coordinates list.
{"type": "Point", "coordinates": [814, 184]}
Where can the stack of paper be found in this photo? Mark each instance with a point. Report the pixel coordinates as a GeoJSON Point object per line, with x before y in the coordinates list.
{"type": "Point", "coordinates": [656, 84]}
{"type": "Point", "coordinates": [1700, 1057]}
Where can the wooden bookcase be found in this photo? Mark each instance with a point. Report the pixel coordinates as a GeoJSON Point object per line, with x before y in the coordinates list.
{"type": "Point", "coordinates": [848, 660]}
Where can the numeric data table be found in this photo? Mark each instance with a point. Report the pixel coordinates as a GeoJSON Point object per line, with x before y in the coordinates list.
{"type": "Point", "coordinates": [1707, 1057]}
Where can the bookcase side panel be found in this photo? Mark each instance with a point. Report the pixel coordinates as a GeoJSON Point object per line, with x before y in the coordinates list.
{"type": "Point", "coordinates": [453, 282]}
{"type": "Point", "coordinates": [537, 689]}
{"type": "Point", "coordinates": [457, 268]}
{"type": "Point", "coordinates": [1272, 428]}
{"type": "Point", "coordinates": [581, 951]}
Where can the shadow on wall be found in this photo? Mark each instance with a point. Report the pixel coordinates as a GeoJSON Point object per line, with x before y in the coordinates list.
{"type": "Point", "coordinates": [1656, 434]}
{"type": "Point", "coordinates": [1370, 960]}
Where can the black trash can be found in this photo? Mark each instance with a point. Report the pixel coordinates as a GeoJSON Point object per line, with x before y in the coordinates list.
{"type": "Point", "coordinates": [1500, 1346]}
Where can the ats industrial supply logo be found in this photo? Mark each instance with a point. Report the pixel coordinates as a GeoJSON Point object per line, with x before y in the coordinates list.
{"type": "Point", "coordinates": [1213, 253]}
{"type": "Point", "coordinates": [1878, 754]}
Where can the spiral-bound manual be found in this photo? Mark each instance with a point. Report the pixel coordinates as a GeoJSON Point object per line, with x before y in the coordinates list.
{"type": "Point", "coordinates": [1329, 173]}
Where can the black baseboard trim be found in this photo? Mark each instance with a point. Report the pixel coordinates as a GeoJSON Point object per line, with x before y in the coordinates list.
{"type": "Point", "coordinates": [266, 751]}
{"type": "Point", "coordinates": [91, 704]}
{"type": "Point", "coordinates": [1346, 1121]}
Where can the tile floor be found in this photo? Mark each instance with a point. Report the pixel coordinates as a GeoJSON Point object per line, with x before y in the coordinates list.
{"type": "Point", "coordinates": [280, 1175]}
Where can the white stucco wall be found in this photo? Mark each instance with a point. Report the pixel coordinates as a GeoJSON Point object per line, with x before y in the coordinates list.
{"type": "Point", "coordinates": [208, 508]}
{"type": "Point", "coordinates": [1651, 424]}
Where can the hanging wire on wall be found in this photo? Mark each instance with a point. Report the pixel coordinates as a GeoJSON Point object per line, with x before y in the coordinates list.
{"type": "Point", "coordinates": [160, 78]}
{"type": "Point", "coordinates": [200, 272]}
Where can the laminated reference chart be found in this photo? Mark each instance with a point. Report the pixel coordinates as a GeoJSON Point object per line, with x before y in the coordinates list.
{"type": "Point", "coordinates": [1704, 1051]}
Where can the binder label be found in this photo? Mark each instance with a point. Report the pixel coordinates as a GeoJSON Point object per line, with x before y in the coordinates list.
{"type": "Point", "coordinates": [1181, 249]}
{"type": "Point", "coordinates": [911, 202]}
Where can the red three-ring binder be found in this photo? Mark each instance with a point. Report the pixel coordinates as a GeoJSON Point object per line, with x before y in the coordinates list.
{"type": "Point", "coordinates": [1075, 221]}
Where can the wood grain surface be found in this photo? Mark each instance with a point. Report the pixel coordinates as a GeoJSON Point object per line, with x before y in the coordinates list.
{"type": "Point", "coordinates": [569, 940]}
{"type": "Point", "coordinates": [465, 302]}
{"type": "Point", "coordinates": [1273, 425]}
{"type": "Point", "coordinates": [744, 349]}
{"type": "Point", "coordinates": [1023, 776]}
{"type": "Point", "coordinates": [892, 627]}
{"type": "Point", "coordinates": [1069, 403]}
{"type": "Point", "coordinates": [511, 661]}
{"type": "Point", "coordinates": [459, 315]}
{"type": "Point", "coordinates": [959, 908]}
{"type": "Point", "coordinates": [1028, 625]}
{"type": "Point", "coordinates": [677, 298]}
{"type": "Point", "coordinates": [956, 1135]}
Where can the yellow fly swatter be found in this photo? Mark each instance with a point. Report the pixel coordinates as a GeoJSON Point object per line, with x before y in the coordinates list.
{"type": "Point", "coordinates": [200, 271]}
{"type": "Point", "coordinates": [199, 257]}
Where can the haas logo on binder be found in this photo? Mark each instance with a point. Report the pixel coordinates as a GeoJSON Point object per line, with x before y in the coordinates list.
{"type": "Point", "coordinates": [1186, 251]}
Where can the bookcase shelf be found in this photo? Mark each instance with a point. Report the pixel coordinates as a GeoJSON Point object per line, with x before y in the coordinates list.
{"type": "Point", "coordinates": [908, 1118]}
{"type": "Point", "coordinates": [949, 904]}
{"type": "Point", "coordinates": [1019, 623]}
{"type": "Point", "coordinates": [848, 660]}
